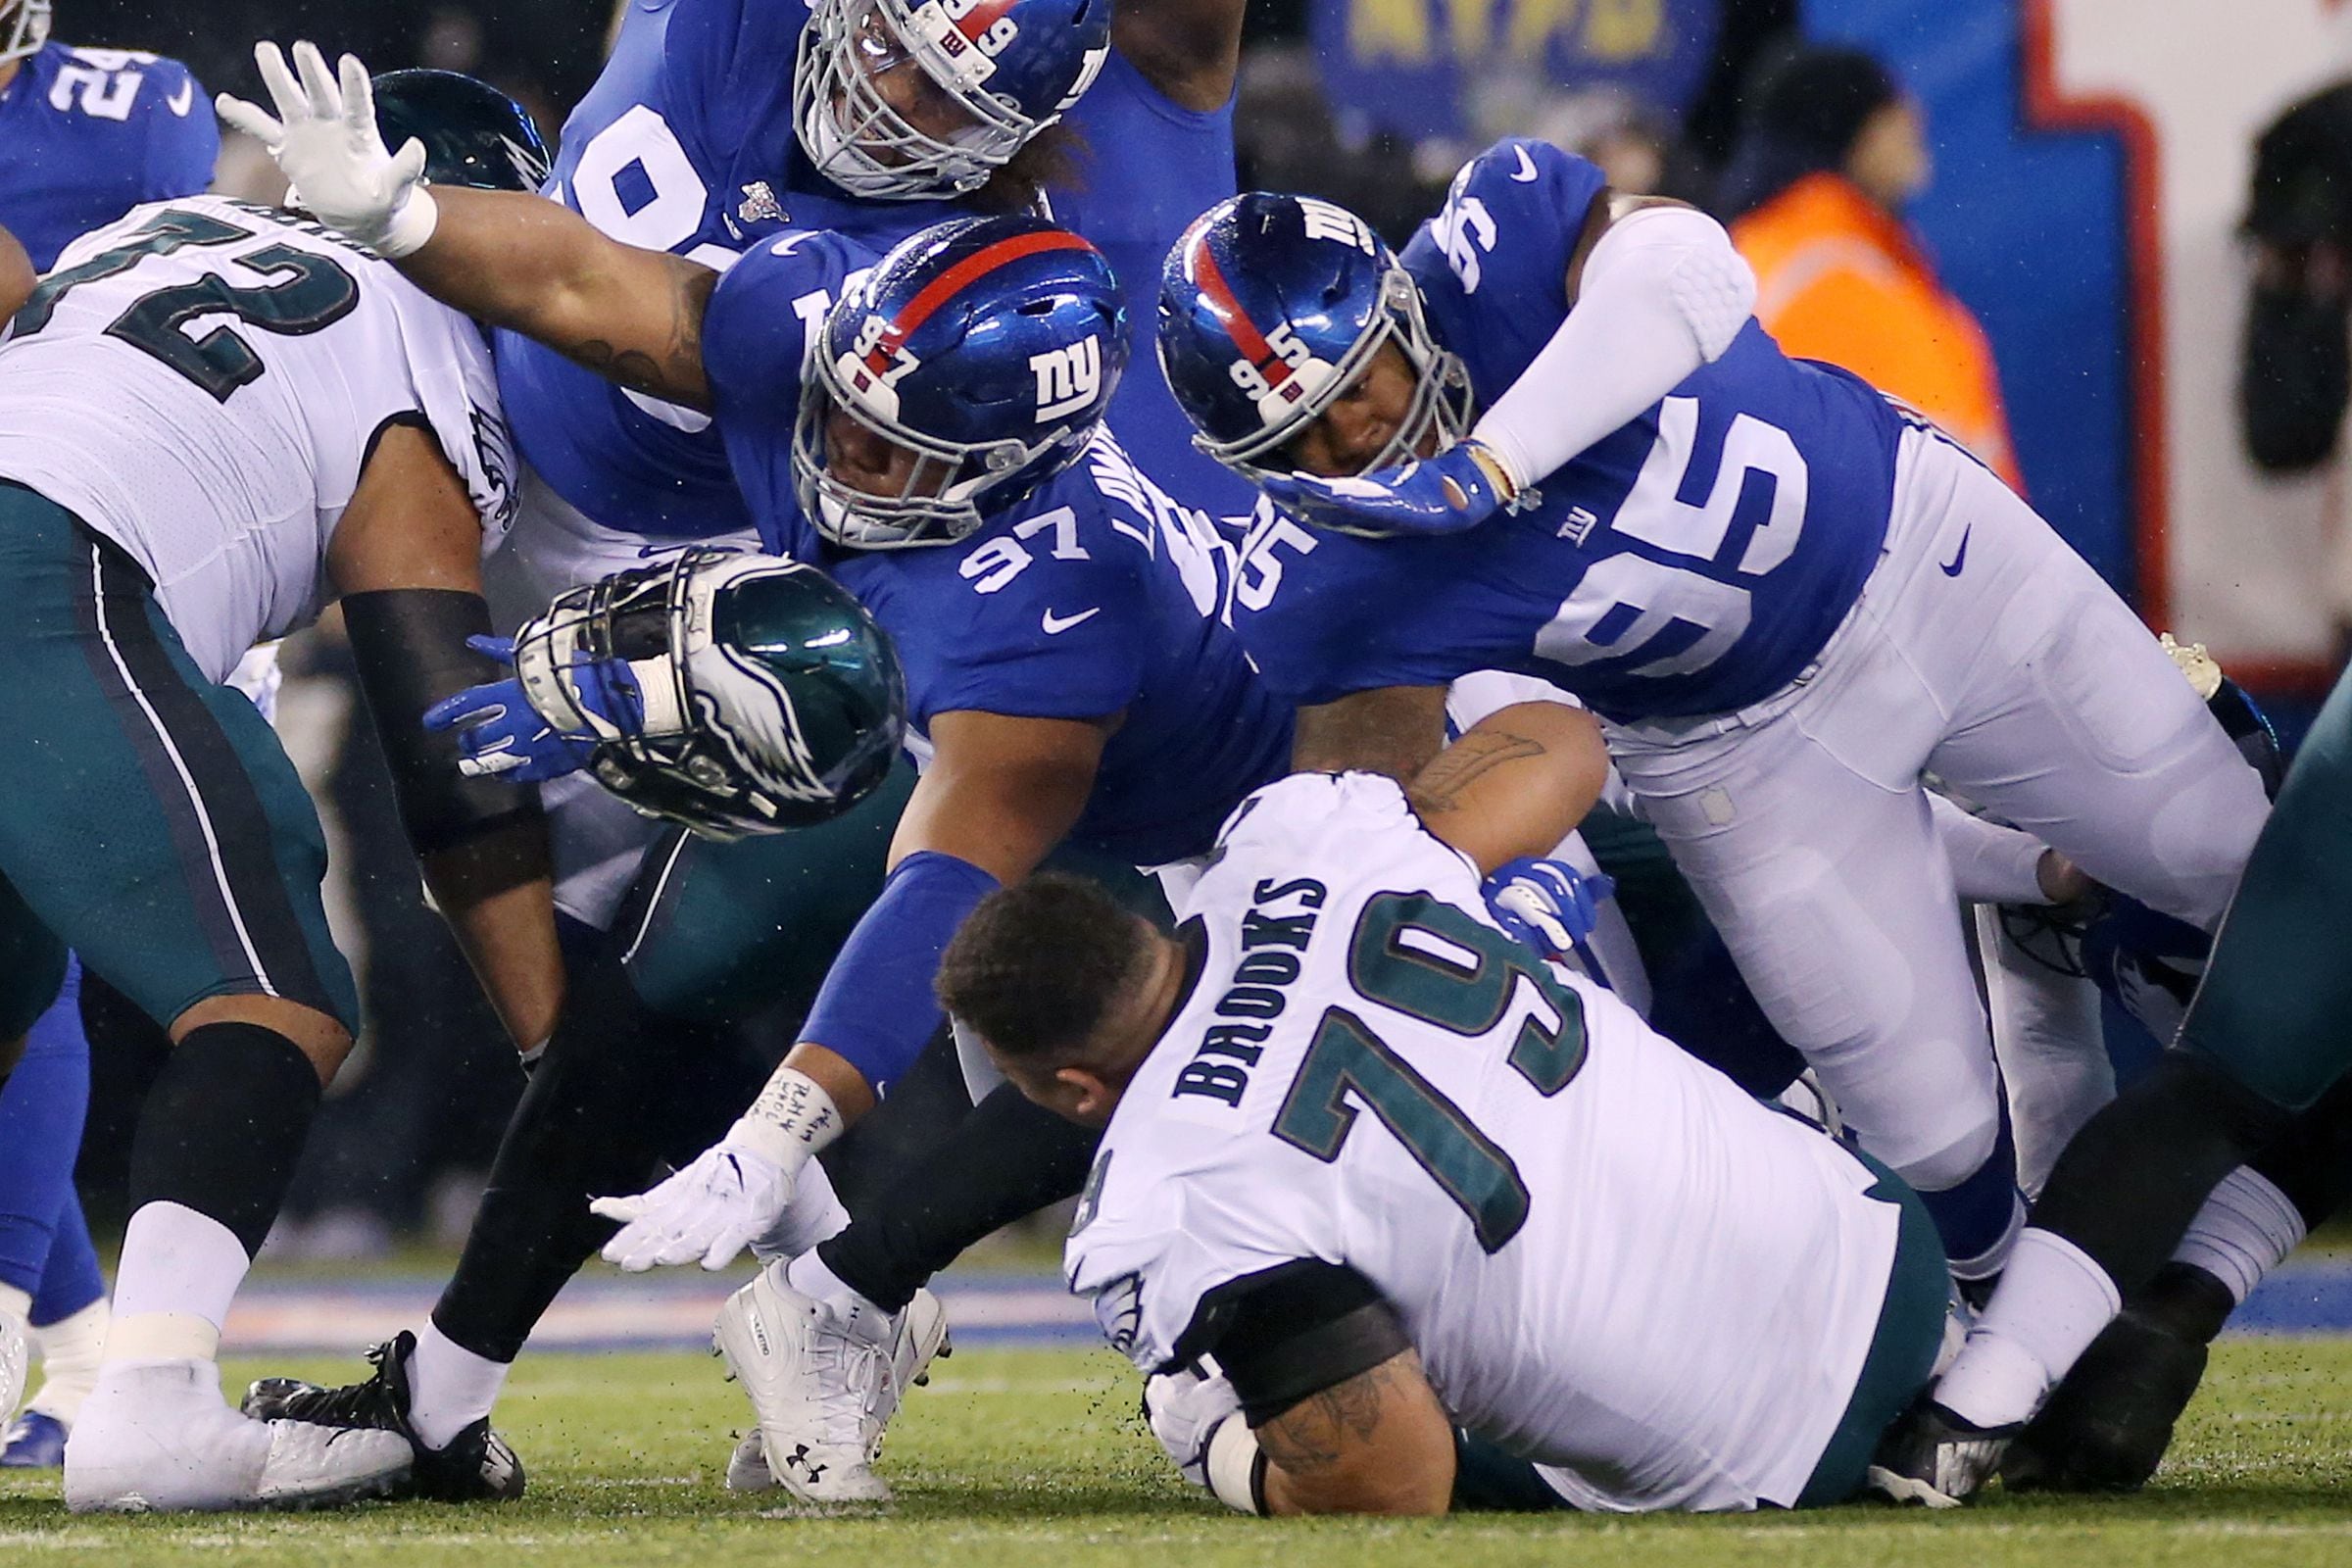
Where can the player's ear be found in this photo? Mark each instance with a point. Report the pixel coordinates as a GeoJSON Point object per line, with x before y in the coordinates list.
{"type": "Point", "coordinates": [1083, 1096]}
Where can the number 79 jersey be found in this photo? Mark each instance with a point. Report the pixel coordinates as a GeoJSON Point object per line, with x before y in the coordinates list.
{"type": "Point", "coordinates": [203, 382]}
{"type": "Point", "coordinates": [1611, 1261]}
{"type": "Point", "coordinates": [1692, 561]}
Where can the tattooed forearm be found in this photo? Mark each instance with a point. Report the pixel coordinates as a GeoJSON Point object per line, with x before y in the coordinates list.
{"type": "Point", "coordinates": [674, 373]}
{"type": "Point", "coordinates": [1321, 1429]}
{"type": "Point", "coordinates": [1438, 787]}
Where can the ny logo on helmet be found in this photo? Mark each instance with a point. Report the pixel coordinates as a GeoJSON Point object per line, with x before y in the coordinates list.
{"type": "Point", "coordinates": [1068, 378]}
{"type": "Point", "coordinates": [1328, 220]}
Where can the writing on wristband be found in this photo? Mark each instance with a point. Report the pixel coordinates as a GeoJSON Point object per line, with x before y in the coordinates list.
{"type": "Point", "coordinates": [792, 1119]}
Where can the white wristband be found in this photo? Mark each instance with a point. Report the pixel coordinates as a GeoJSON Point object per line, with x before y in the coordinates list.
{"type": "Point", "coordinates": [792, 1119]}
{"type": "Point", "coordinates": [411, 225]}
{"type": "Point", "coordinates": [1232, 1464]}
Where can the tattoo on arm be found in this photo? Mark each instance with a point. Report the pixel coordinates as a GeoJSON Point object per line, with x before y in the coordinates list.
{"type": "Point", "coordinates": [675, 372]}
{"type": "Point", "coordinates": [1317, 1432]}
{"type": "Point", "coordinates": [1438, 787]}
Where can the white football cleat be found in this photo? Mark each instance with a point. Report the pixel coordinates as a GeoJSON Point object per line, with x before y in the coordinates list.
{"type": "Point", "coordinates": [156, 1436]}
{"type": "Point", "coordinates": [822, 1390]}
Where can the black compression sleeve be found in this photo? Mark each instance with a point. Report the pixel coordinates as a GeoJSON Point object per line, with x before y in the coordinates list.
{"type": "Point", "coordinates": [1007, 1159]}
{"type": "Point", "coordinates": [1289, 1334]}
{"type": "Point", "coordinates": [410, 647]}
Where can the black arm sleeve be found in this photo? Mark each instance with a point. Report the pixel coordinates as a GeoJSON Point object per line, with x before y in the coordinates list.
{"type": "Point", "coordinates": [410, 647]}
{"type": "Point", "coordinates": [1286, 1335]}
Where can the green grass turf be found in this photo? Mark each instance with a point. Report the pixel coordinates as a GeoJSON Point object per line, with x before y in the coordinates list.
{"type": "Point", "coordinates": [1017, 1457]}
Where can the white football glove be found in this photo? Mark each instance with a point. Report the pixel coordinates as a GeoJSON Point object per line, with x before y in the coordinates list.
{"type": "Point", "coordinates": [735, 1190]}
{"type": "Point", "coordinates": [1197, 1417]}
{"type": "Point", "coordinates": [710, 1210]}
{"type": "Point", "coordinates": [324, 139]}
{"type": "Point", "coordinates": [1185, 1409]}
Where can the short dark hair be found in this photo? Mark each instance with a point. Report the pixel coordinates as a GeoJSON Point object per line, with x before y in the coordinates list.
{"type": "Point", "coordinates": [1037, 965]}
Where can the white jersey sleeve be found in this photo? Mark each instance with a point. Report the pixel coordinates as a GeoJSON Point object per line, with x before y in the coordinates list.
{"type": "Point", "coordinates": [203, 383]}
{"type": "Point", "coordinates": [1613, 1262]}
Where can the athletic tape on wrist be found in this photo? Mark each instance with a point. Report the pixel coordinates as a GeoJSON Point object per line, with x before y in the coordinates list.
{"type": "Point", "coordinates": [792, 1119]}
{"type": "Point", "coordinates": [1236, 1467]}
{"type": "Point", "coordinates": [411, 225]}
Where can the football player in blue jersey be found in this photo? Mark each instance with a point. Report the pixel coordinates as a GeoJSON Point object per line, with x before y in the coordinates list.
{"type": "Point", "coordinates": [90, 134]}
{"type": "Point", "coordinates": [1550, 437]}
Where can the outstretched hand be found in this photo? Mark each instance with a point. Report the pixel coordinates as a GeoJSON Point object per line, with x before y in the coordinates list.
{"type": "Point", "coordinates": [324, 140]}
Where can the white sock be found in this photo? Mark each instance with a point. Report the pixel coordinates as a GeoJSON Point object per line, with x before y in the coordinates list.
{"type": "Point", "coordinates": [15, 1304]}
{"type": "Point", "coordinates": [449, 1387]}
{"type": "Point", "coordinates": [2243, 1231]}
{"type": "Point", "coordinates": [177, 1264]}
{"type": "Point", "coordinates": [813, 1215]}
{"type": "Point", "coordinates": [71, 1349]}
{"type": "Point", "coordinates": [2052, 1303]}
{"type": "Point", "coordinates": [808, 1275]}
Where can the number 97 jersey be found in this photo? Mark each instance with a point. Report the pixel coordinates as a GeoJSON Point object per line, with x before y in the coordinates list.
{"type": "Point", "coordinates": [1611, 1261]}
{"type": "Point", "coordinates": [1692, 561]}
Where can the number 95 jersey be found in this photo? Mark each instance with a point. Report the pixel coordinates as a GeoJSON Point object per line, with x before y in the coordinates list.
{"type": "Point", "coordinates": [1611, 1261]}
{"type": "Point", "coordinates": [1692, 561]}
{"type": "Point", "coordinates": [203, 382]}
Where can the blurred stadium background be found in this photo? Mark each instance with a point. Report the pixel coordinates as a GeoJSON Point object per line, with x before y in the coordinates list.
{"type": "Point", "coordinates": [2092, 163]}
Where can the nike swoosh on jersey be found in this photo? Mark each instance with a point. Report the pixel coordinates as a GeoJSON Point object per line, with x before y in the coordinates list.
{"type": "Point", "coordinates": [1952, 567]}
{"type": "Point", "coordinates": [1055, 625]}
{"type": "Point", "coordinates": [1525, 173]}
{"type": "Point", "coordinates": [180, 102]}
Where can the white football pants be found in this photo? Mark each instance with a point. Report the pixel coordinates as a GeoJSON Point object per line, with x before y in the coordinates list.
{"type": "Point", "coordinates": [1984, 648]}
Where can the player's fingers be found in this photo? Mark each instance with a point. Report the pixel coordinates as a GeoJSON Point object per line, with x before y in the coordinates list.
{"type": "Point", "coordinates": [623, 1209]}
{"type": "Point", "coordinates": [318, 82]}
{"type": "Point", "coordinates": [407, 165]}
{"type": "Point", "coordinates": [284, 90]}
{"type": "Point", "coordinates": [721, 1252]}
{"type": "Point", "coordinates": [251, 118]}
{"type": "Point", "coordinates": [359, 94]}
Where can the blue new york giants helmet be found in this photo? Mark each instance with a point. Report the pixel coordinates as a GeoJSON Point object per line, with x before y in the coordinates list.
{"type": "Point", "coordinates": [24, 29]}
{"type": "Point", "coordinates": [1270, 306]}
{"type": "Point", "coordinates": [986, 347]}
{"type": "Point", "coordinates": [982, 77]}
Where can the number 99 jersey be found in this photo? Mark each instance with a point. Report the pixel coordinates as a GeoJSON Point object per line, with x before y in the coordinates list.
{"type": "Point", "coordinates": [1692, 561]}
{"type": "Point", "coordinates": [1611, 1261]}
{"type": "Point", "coordinates": [203, 382]}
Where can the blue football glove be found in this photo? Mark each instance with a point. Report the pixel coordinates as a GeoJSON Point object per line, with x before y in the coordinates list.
{"type": "Point", "coordinates": [1550, 906]}
{"type": "Point", "coordinates": [1440, 494]}
{"type": "Point", "coordinates": [500, 734]}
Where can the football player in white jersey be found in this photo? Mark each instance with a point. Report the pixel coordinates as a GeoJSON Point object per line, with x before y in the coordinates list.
{"type": "Point", "coordinates": [214, 418]}
{"type": "Point", "coordinates": [1454, 1224]}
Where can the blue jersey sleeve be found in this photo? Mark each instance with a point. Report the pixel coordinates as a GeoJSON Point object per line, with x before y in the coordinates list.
{"type": "Point", "coordinates": [756, 336]}
{"type": "Point", "coordinates": [1493, 264]}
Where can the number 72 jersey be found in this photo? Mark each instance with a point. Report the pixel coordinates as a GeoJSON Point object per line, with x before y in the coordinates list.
{"type": "Point", "coordinates": [1692, 561]}
{"type": "Point", "coordinates": [203, 382]}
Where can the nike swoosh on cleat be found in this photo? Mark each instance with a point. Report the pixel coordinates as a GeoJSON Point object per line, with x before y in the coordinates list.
{"type": "Point", "coordinates": [1055, 625]}
{"type": "Point", "coordinates": [1952, 567]}
{"type": "Point", "coordinates": [180, 102]}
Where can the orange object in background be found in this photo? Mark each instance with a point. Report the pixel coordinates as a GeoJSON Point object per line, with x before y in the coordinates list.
{"type": "Point", "coordinates": [1839, 279]}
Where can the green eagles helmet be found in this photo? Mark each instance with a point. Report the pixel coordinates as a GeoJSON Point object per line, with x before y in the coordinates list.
{"type": "Point", "coordinates": [771, 698]}
{"type": "Point", "coordinates": [473, 134]}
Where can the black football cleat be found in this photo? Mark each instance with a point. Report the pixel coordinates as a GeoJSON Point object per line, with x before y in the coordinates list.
{"type": "Point", "coordinates": [477, 1465]}
{"type": "Point", "coordinates": [1932, 1458]}
{"type": "Point", "coordinates": [2107, 1427]}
